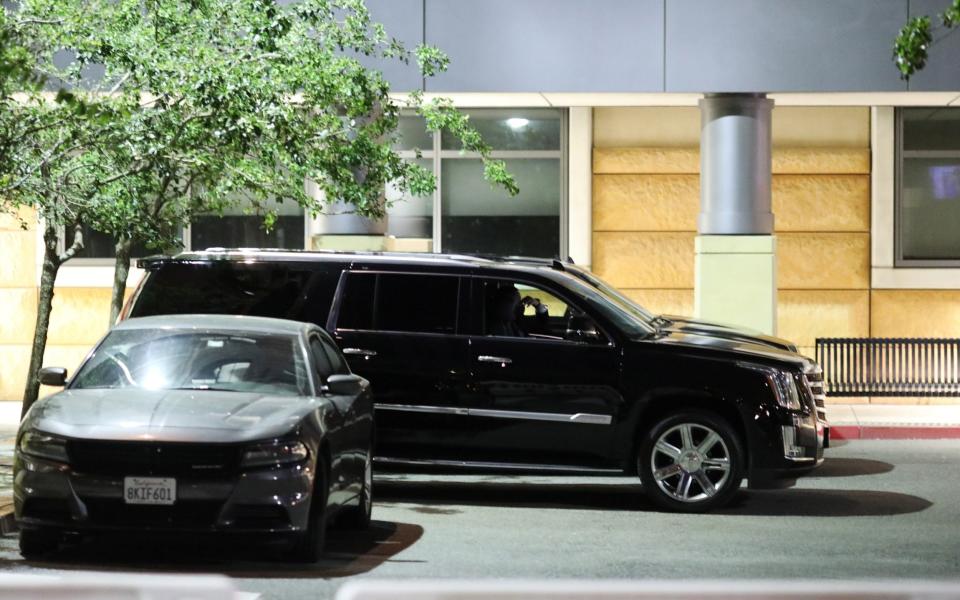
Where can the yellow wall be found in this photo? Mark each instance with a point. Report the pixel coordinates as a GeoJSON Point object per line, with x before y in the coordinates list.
{"type": "Point", "coordinates": [78, 320]}
{"type": "Point", "coordinates": [646, 191]}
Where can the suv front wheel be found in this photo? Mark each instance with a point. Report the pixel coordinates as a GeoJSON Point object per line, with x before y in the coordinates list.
{"type": "Point", "coordinates": [691, 462]}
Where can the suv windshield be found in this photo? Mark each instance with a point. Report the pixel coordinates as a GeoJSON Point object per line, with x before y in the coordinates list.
{"type": "Point", "coordinates": [168, 359]}
{"type": "Point", "coordinates": [616, 297]}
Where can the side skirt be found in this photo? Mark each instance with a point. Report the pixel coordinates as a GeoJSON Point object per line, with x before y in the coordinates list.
{"type": "Point", "coordinates": [494, 466]}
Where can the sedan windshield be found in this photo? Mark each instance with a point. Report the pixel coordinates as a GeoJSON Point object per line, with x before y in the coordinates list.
{"type": "Point", "coordinates": [168, 359]}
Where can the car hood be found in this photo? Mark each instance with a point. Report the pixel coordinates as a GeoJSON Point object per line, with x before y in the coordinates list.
{"type": "Point", "coordinates": [730, 345]}
{"type": "Point", "coordinates": [168, 415]}
{"type": "Point", "coordinates": [713, 329]}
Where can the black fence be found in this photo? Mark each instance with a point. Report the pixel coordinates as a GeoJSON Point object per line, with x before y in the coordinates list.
{"type": "Point", "coordinates": [890, 366]}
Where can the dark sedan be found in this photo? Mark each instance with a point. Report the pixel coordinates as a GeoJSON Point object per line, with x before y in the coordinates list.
{"type": "Point", "coordinates": [199, 423]}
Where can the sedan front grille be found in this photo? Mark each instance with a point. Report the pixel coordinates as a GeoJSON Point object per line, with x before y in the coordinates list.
{"type": "Point", "coordinates": [143, 458]}
{"type": "Point", "coordinates": [187, 514]}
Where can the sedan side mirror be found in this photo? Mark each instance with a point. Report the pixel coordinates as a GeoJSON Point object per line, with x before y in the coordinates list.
{"type": "Point", "coordinates": [346, 385]}
{"type": "Point", "coordinates": [55, 376]}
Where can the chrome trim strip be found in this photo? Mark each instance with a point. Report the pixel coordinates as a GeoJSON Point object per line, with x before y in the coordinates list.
{"type": "Point", "coordinates": [488, 465]}
{"type": "Point", "coordinates": [503, 360]}
{"type": "Point", "coordinates": [584, 418]}
{"type": "Point", "coordinates": [440, 410]}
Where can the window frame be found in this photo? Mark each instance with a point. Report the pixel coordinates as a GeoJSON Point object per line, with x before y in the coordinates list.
{"type": "Point", "coordinates": [437, 154]}
{"type": "Point", "coordinates": [899, 260]}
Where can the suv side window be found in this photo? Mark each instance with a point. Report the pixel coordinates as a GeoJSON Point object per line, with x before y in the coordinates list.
{"type": "Point", "coordinates": [417, 303]}
{"type": "Point", "coordinates": [400, 302]}
{"type": "Point", "coordinates": [520, 310]}
{"type": "Point", "coordinates": [286, 291]}
{"type": "Point", "coordinates": [356, 303]}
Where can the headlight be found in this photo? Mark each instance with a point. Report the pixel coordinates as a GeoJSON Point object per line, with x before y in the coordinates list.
{"type": "Point", "coordinates": [274, 453]}
{"type": "Point", "coordinates": [783, 384]}
{"type": "Point", "coordinates": [43, 445]}
{"type": "Point", "coordinates": [788, 395]}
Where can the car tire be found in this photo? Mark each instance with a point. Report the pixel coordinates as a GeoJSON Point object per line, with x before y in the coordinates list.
{"type": "Point", "coordinates": [358, 517]}
{"type": "Point", "coordinates": [692, 461]}
{"type": "Point", "coordinates": [308, 547]}
{"type": "Point", "coordinates": [38, 542]}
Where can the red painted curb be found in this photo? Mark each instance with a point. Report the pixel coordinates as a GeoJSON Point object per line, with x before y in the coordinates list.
{"type": "Point", "coordinates": [856, 432]}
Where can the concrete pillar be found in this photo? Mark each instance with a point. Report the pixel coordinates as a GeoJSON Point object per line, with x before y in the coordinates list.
{"type": "Point", "coordinates": [735, 249]}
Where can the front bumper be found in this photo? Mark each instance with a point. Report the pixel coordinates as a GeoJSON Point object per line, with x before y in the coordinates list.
{"type": "Point", "coordinates": [797, 450]}
{"type": "Point", "coordinates": [272, 500]}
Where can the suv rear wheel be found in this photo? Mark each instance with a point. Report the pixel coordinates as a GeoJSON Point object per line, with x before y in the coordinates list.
{"type": "Point", "coordinates": [691, 462]}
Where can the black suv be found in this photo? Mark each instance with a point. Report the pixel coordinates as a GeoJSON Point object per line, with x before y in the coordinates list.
{"type": "Point", "coordinates": [528, 364]}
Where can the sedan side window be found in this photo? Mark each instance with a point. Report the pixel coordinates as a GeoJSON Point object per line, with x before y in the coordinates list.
{"type": "Point", "coordinates": [320, 360]}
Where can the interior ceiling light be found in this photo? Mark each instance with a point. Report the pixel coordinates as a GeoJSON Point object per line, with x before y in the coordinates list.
{"type": "Point", "coordinates": [517, 122]}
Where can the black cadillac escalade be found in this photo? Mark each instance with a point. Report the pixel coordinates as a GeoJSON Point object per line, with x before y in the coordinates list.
{"type": "Point", "coordinates": [528, 364]}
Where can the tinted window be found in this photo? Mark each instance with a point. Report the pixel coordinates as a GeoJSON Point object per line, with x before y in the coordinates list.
{"type": "Point", "coordinates": [356, 305]}
{"type": "Point", "coordinates": [320, 359]}
{"type": "Point", "coordinates": [415, 303]}
{"type": "Point", "coordinates": [337, 364]}
{"type": "Point", "coordinates": [421, 303]}
{"type": "Point", "coordinates": [265, 290]}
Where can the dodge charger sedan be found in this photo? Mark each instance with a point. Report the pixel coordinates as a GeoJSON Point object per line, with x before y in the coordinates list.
{"type": "Point", "coordinates": [199, 423]}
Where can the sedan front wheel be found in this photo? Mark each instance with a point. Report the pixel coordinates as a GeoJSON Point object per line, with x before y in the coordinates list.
{"type": "Point", "coordinates": [691, 462]}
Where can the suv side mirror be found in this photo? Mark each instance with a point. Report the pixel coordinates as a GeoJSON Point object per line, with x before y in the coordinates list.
{"type": "Point", "coordinates": [55, 376]}
{"type": "Point", "coordinates": [346, 385]}
{"type": "Point", "coordinates": [581, 328]}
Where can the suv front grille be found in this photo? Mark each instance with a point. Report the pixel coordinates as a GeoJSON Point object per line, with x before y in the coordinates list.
{"type": "Point", "coordinates": [144, 458]}
{"type": "Point", "coordinates": [813, 378]}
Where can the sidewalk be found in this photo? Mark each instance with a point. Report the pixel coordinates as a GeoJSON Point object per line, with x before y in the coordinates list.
{"type": "Point", "coordinates": [893, 421]}
{"type": "Point", "coordinates": [848, 422]}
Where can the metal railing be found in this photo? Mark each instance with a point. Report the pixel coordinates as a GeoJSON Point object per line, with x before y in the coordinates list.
{"type": "Point", "coordinates": [890, 366]}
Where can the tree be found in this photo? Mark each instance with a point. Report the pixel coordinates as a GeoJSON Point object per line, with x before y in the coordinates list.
{"type": "Point", "coordinates": [249, 98]}
{"type": "Point", "coordinates": [203, 103]}
{"type": "Point", "coordinates": [910, 49]}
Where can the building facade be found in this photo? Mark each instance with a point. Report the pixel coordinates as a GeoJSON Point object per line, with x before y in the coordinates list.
{"type": "Point", "coordinates": [597, 107]}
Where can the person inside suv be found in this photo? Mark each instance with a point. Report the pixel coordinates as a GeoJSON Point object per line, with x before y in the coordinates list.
{"type": "Point", "coordinates": [506, 314]}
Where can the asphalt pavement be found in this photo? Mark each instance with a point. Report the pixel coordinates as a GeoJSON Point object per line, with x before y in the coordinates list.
{"type": "Point", "coordinates": [875, 509]}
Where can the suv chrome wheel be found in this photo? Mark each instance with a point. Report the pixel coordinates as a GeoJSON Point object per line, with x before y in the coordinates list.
{"type": "Point", "coordinates": [689, 470]}
{"type": "Point", "coordinates": [691, 461]}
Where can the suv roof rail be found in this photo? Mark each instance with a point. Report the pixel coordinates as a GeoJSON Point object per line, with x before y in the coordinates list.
{"type": "Point", "coordinates": [222, 252]}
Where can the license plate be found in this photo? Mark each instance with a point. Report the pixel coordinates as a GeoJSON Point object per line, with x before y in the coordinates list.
{"type": "Point", "coordinates": [149, 490]}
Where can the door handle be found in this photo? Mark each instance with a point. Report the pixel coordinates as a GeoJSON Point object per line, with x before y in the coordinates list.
{"type": "Point", "coordinates": [359, 352]}
{"type": "Point", "coordinates": [502, 360]}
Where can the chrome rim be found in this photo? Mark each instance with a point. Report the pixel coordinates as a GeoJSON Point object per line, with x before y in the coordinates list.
{"type": "Point", "coordinates": [690, 462]}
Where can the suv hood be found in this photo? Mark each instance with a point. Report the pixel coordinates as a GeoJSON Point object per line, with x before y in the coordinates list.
{"type": "Point", "coordinates": [168, 415]}
{"type": "Point", "coordinates": [697, 326]}
{"type": "Point", "coordinates": [728, 344]}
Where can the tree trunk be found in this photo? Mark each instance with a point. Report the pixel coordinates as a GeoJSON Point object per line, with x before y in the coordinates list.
{"type": "Point", "coordinates": [48, 276]}
{"type": "Point", "coordinates": [120, 272]}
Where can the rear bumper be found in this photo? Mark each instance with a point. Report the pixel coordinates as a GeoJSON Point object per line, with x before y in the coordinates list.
{"type": "Point", "coordinates": [48, 494]}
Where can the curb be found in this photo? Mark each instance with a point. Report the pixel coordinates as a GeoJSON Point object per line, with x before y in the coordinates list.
{"type": "Point", "coordinates": [893, 432]}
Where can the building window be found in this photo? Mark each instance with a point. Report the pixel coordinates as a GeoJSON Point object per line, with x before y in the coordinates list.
{"type": "Point", "coordinates": [465, 214]}
{"type": "Point", "coordinates": [240, 227]}
{"type": "Point", "coordinates": [928, 187]}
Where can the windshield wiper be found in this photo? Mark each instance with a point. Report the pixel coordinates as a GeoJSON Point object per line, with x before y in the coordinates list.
{"type": "Point", "coordinates": [201, 388]}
